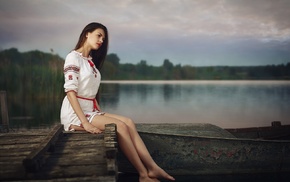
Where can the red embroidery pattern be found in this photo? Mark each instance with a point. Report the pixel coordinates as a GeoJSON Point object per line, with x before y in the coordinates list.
{"type": "Point", "coordinates": [93, 67]}
{"type": "Point", "coordinates": [91, 63]}
{"type": "Point", "coordinates": [71, 68]}
{"type": "Point", "coordinates": [70, 77]}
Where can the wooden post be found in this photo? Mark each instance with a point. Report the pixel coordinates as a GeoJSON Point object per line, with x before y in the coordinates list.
{"type": "Point", "coordinates": [111, 144]}
{"type": "Point", "coordinates": [4, 111]}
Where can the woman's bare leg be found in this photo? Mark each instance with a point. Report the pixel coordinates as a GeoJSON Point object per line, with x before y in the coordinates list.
{"type": "Point", "coordinates": [154, 170]}
{"type": "Point", "coordinates": [126, 145]}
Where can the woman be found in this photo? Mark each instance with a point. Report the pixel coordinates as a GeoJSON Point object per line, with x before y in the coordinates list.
{"type": "Point", "coordinates": [81, 111]}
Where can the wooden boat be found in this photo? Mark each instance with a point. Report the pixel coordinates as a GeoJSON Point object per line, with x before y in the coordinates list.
{"type": "Point", "coordinates": [205, 149]}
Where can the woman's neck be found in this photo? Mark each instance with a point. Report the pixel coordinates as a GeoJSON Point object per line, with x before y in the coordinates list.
{"type": "Point", "coordinates": [85, 51]}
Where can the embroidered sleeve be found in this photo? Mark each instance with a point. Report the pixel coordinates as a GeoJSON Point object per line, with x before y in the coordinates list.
{"type": "Point", "coordinates": [71, 73]}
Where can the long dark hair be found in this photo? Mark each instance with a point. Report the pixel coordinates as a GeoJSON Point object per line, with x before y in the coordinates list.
{"type": "Point", "coordinates": [100, 54]}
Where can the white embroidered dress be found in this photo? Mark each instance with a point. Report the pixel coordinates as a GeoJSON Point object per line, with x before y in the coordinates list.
{"type": "Point", "coordinates": [82, 77]}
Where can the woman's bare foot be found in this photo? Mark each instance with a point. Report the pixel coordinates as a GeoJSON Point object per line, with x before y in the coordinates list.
{"type": "Point", "coordinates": [159, 173]}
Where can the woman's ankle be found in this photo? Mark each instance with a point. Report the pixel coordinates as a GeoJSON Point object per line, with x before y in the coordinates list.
{"type": "Point", "coordinates": [143, 175]}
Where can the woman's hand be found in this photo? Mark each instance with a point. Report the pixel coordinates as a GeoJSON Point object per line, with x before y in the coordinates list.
{"type": "Point", "coordinates": [91, 128]}
{"type": "Point", "coordinates": [71, 95]}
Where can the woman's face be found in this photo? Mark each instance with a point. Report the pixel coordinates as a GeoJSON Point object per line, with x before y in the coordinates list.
{"type": "Point", "coordinates": [96, 38]}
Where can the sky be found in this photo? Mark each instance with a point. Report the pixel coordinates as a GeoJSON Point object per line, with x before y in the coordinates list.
{"type": "Point", "coordinates": [186, 32]}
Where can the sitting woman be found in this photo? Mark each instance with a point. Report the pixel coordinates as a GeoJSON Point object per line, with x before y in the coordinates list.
{"type": "Point", "coordinates": [81, 111]}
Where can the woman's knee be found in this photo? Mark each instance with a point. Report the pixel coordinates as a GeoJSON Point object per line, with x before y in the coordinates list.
{"type": "Point", "coordinates": [129, 122]}
{"type": "Point", "coordinates": [122, 127]}
{"type": "Point", "coordinates": [124, 119]}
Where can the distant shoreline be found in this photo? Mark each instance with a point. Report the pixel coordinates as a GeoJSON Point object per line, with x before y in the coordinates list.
{"type": "Point", "coordinates": [198, 82]}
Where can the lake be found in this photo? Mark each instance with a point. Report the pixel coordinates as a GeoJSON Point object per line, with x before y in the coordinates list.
{"type": "Point", "coordinates": [223, 103]}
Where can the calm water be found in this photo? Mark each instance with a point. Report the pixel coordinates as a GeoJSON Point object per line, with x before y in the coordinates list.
{"type": "Point", "coordinates": [223, 103]}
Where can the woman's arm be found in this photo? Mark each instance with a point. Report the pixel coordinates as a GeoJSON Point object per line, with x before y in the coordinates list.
{"type": "Point", "coordinates": [97, 101]}
{"type": "Point", "coordinates": [98, 106]}
{"type": "Point", "coordinates": [71, 95]}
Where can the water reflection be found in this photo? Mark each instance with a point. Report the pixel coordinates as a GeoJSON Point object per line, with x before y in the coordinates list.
{"type": "Point", "coordinates": [110, 95]}
{"type": "Point", "coordinates": [169, 92]}
{"type": "Point", "coordinates": [226, 104]}
{"type": "Point", "coordinates": [223, 103]}
{"type": "Point", "coordinates": [28, 113]}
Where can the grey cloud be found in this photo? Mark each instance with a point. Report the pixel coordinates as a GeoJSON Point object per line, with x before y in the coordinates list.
{"type": "Point", "coordinates": [182, 30]}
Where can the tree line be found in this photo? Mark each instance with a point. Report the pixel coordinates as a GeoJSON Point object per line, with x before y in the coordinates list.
{"type": "Point", "coordinates": [113, 70]}
{"type": "Point", "coordinates": [38, 74]}
{"type": "Point", "coordinates": [31, 75]}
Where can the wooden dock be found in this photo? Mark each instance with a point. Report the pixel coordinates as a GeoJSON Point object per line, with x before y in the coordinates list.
{"type": "Point", "coordinates": [55, 155]}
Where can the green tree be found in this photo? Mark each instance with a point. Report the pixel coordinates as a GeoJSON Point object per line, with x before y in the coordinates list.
{"type": "Point", "coordinates": [177, 72]}
{"type": "Point", "coordinates": [109, 71]}
{"type": "Point", "coordinates": [142, 68]}
{"type": "Point", "coordinates": [167, 65]}
{"type": "Point", "coordinates": [167, 69]}
{"type": "Point", "coordinates": [188, 72]}
{"type": "Point", "coordinates": [114, 59]}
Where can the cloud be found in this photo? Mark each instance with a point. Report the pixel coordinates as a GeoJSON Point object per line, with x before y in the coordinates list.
{"type": "Point", "coordinates": [183, 31]}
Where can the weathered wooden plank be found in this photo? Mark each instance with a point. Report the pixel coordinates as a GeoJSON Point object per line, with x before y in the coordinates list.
{"type": "Point", "coordinates": [4, 111]}
{"type": "Point", "coordinates": [12, 174]}
{"type": "Point", "coordinates": [78, 135]}
{"type": "Point", "coordinates": [49, 172]}
{"type": "Point", "coordinates": [9, 168]}
{"type": "Point", "coordinates": [11, 158]}
{"type": "Point", "coordinates": [77, 156]}
{"type": "Point", "coordinates": [14, 153]}
{"type": "Point", "coordinates": [83, 138]}
{"type": "Point", "coordinates": [78, 179]}
{"type": "Point", "coordinates": [90, 152]}
{"type": "Point", "coordinates": [75, 162]}
{"type": "Point", "coordinates": [80, 158]}
{"type": "Point", "coordinates": [68, 150]}
{"type": "Point", "coordinates": [90, 141]}
{"type": "Point", "coordinates": [19, 146]}
{"type": "Point", "coordinates": [10, 161]}
{"type": "Point", "coordinates": [82, 143]}
{"type": "Point", "coordinates": [27, 132]}
{"type": "Point", "coordinates": [75, 132]}
{"type": "Point", "coordinates": [21, 140]}
{"type": "Point", "coordinates": [33, 161]}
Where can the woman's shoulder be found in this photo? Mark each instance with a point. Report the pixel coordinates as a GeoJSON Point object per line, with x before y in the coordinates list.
{"type": "Point", "coordinates": [72, 54]}
{"type": "Point", "coordinates": [72, 57]}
